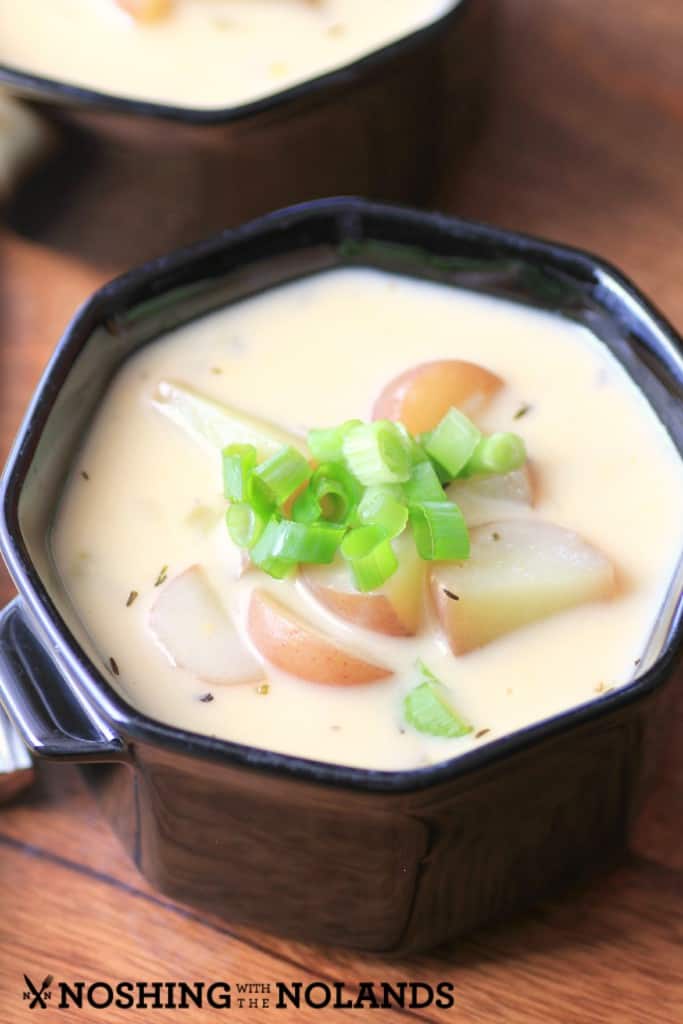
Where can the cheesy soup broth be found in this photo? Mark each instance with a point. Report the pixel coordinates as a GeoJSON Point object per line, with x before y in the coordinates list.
{"type": "Point", "coordinates": [144, 503]}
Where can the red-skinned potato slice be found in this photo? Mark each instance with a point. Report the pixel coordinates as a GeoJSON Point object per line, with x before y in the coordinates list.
{"type": "Point", "coordinates": [395, 610]}
{"type": "Point", "coordinates": [421, 397]}
{"type": "Point", "coordinates": [294, 646]}
{"type": "Point", "coordinates": [519, 571]}
{"type": "Point", "coordinates": [145, 10]}
{"type": "Point", "coordinates": [193, 628]}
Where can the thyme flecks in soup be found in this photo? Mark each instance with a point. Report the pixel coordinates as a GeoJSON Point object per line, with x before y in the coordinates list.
{"type": "Point", "coordinates": [370, 520]}
{"type": "Point", "coordinates": [200, 53]}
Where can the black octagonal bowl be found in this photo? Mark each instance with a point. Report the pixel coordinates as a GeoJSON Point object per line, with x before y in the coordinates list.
{"type": "Point", "coordinates": [133, 179]}
{"type": "Point", "coordinates": [383, 861]}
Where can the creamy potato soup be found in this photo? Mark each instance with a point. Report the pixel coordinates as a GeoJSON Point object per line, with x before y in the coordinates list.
{"type": "Point", "coordinates": [520, 588]}
{"type": "Point", "coordinates": [200, 53]}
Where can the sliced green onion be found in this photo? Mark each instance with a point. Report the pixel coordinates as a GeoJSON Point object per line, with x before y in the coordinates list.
{"type": "Point", "coordinates": [263, 554]}
{"type": "Point", "coordinates": [245, 525]}
{"type": "Point", "coordinates": [333, 500]}
{"type": "Point", "coordinates": [332, 495]}
{"type": "Point", "coordinates": [384, 506]}
{"type": "Point", "coordinates": [326, 445]}
{"type": "Point", "coordinates": [307, 508]}
{"type": "Point", "coordinates": [371, 557]}
{"type": "Point", "coordinates": [499, 453]}
{"type": "Point", "coordinates": [337, 491]}
{"type": "Point", "coordinates": [312, 543]}
{"type": "Point", "coordinates": [416, 452]}
{"type": "Point", "coordinates": [453, 441]}
{"type": "Point", "coordinates": [377, 453]}
{"type": "Point", "coordinates": [279, 477]}
{"type": "Point", "coordinates": [238, 462]}
{"type": "Point", "coordinates": [440, 531]}
{"type": "Point", "coordinates": [428, 708]}
{"type": "Point", "coordinates": [423, 484]}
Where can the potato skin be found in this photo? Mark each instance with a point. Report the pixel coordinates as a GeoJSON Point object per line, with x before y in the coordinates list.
{"type": "Point", "coordinates": [146, 10]}
{"type": "Point", "coordinates": [369, 611]}
{"type": "Point", "coordinates": [297, 648]}
{"type": "Point", "coordinates": [421, 396]}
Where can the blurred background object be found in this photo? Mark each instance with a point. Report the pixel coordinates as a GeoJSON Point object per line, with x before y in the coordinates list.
{"type": "Point", "coordinates": [131, 180]}
{"type": "Point", "coordinates": [24, 139]}
{"type": "Point", "coordinates": [16, 767]}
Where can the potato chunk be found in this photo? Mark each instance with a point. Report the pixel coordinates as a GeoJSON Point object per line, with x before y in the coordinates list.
{"type": "Point", "coordinates": [395, 609]}
{"type": "Point", "coordinates": [146, 10]}
{"type": "Point", "coordinates": [519, 571]}
{"type": "Point", "coordinates": [298, 648]}
{"type": "Point", "coordinates": [193, 628]}
{"type": "Point", "coordinates": [483, 498]}
{"type": "Point", "coordinates": [422, 396]}
{"type": "Point", "coordinates": [213, 426]}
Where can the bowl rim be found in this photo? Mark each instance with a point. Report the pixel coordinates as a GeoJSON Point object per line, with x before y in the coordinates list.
{"type": "Point", "coordinates": [57, 91]}
{"type": "Point", "coordinates": [167, 273]}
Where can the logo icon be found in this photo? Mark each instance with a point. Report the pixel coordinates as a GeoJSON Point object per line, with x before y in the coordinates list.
{"type": "Point", "coordinates": [38, 996]}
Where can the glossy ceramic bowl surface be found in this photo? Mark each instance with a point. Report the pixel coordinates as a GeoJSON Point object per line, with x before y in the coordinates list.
{"type": "Point", "coordinates": [132, 179]}
{"type": "Point", "coordinates": [386, 861]}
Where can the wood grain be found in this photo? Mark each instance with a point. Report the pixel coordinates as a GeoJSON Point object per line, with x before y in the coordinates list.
{"type": "Point", "coordinates": [584, 143]}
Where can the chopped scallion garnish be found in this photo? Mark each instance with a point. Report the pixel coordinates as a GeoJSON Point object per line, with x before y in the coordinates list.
{"type": "Point", "coordinates": [337, 491]}
{"type": "Point", "coordinates": [453, 441]}
{"type": "Point", "coordinates": [499, 454]}
{"type": "Point", "coordinates": [384, 506]}
{"type": "Point", "coordinates": [377, 453]}
{"type": "Point", "coordinates": [327, 445]}
{"type": "Point", "coordinates": [281, 475]}
{"type": "Point", "coordinates": [423, 484]}
{"type": "Point", "coordinates": [310, 543]}
{"type": "Point", "coordinates": [263, 553]}
{"type": "Point", "coordinates": [372, 479]}
{"type": "Point", "coordinates": [429, 709]}
{"type": "Point", "coordinates": [245, 524]}
{"type": "Point", "coordinates": [238, 462]}
{"type": "Point", "coordinates": [372, 559]}
{"type": "Point", "coordinates": [440, 531]}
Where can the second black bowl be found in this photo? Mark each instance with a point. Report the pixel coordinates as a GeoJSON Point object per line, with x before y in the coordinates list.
{"type": "Point", "coordinates": [133, 179]}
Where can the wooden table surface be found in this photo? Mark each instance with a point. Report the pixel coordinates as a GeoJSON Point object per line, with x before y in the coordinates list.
{"type": "Point", "coordinates": [584, 144]}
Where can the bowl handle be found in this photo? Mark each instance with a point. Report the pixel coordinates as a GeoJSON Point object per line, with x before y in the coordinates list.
{"type": "Point", "coordinates": [53, 721]}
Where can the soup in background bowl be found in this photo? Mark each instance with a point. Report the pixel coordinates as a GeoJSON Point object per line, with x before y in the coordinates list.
{"type": "Point", "coordinates": [392, 840]}
{"type": "Point", "coordinates": [158, 151]}
{"type": "Point", "coordinates": [201, 54]}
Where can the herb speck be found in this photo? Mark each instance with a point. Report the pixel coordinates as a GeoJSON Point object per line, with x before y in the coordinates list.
{"type": "Point", "coordinates": [482, 732]}
{"type": "Point", "coordinates": [162, 577]}
{"type": "Point", "coordinates": [113, 666]}
{"type": "Point", "coordinates": [522, 411]}
{"type": "Point", "coordinates": [450, 594]}
{"type": "Point", "coordinates": [216, 370]}
{"type": "Point", "coordinates": [495, 536]}
{"type": "Point", "coordinates": [637, 662]}
{"type": "Point", "coordinates": [263, 690]}
{"type": "Point", "coordinates": [206, 698]}
{"type": "Point", "coordinates": [132, 597]}
{"type": "Point", "coordinates": [85, 475]}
